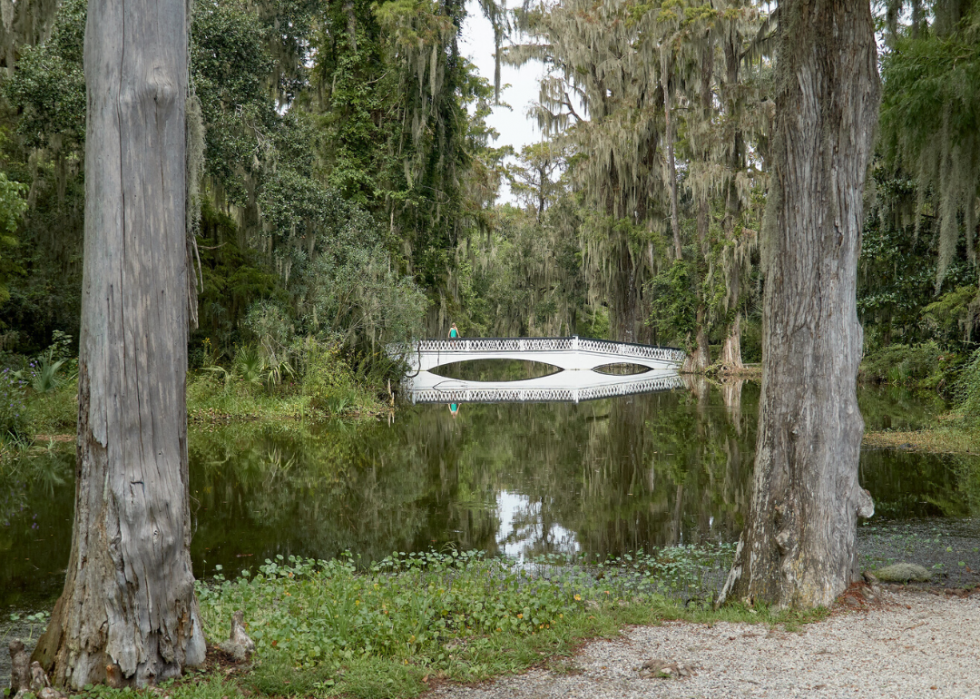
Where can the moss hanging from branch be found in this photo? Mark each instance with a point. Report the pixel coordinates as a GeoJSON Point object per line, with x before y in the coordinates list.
{"type": "Point", "coordinates": [930, 119]}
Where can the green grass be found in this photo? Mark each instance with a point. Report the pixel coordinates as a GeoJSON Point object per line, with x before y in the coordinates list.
{"type": "Point", "coordinates": [210, 399]}
{"type": "Point", "coordinates": [326, 628]}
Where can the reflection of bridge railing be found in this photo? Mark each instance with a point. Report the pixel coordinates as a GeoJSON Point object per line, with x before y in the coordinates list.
{"type": "Point", "coordinates": [570, 387]}
{"type": "Point", "coordinates": [564, 352]}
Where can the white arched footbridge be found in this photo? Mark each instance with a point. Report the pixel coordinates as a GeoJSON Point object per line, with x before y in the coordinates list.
{"type": "Point", "coordinates": [566, 353]}
{"type": "Point", "coordinates": [577, 357]}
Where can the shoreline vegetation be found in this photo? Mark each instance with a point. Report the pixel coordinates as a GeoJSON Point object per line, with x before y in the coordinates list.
{"type": "Point", "coordinates": [940, 440]}
{"type": "Point", "coordinates": [51, 416]}
{"type": "Point", "coordinates": [933, 441]}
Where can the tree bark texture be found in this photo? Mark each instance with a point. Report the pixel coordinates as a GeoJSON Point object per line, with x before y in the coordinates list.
{"type": "Point", "coordinates": [128, 605]}
{"type": "Point", "coordinates": [797, 549]}
{"type": "Point", "coordinates": [731, 351]}
{"type": "Point", "coordinates": [699, 359]}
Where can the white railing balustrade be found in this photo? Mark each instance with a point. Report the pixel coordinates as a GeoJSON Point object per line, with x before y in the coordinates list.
{"type": "Point", "coordinates": [568, 353]}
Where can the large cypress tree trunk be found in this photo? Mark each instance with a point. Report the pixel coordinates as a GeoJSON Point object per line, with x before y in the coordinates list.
{"type": "Point", "coordinates": [797, 548]}
{"type": "Point", "coordinates": [128, 607]}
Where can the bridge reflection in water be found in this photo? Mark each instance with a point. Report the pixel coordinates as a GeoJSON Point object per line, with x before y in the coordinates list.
{"type": "Point", "coordinates": [564, 386]}
{"type": "Point", "coordinates": [577, 357]}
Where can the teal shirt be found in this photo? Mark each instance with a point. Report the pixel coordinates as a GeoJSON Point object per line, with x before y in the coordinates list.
{"type": "Point", "coordinates": [453, 333]}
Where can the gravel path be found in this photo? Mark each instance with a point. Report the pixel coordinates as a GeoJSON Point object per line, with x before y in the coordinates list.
{"type": "Point", "coordinates": [920, 645]}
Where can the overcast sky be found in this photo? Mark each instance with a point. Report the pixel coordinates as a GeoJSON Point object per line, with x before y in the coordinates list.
{"type": "Point", "coordinates": [513, 124]}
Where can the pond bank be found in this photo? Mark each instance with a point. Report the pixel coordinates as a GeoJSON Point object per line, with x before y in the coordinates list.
{"type": "Point", "coordinates": [930, 441]}
{"type": "Point", "coordinates": [943, 440]}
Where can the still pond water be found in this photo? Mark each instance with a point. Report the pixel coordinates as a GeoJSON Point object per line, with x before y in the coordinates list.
{"type": "Point", "coordinates": [603, 477]}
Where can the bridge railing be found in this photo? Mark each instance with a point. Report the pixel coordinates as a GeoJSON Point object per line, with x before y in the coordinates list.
{"type": "Point", "coordinates": [537, 344]}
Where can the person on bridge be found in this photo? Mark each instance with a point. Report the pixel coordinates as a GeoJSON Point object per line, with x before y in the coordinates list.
{"type": "Point", "coordinates": [453, 332]}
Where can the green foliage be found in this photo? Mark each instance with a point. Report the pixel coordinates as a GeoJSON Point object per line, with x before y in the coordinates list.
{"type": "Point", "coordinates": [523, 279]}
{"type": "Point", "coordinates": [234, 280]}
{"type": "Point", "coordinates": [48, 86]}
{"type": "Point", "coordinates": [930, 121]}
{"type": "Point", "coordinates": [674, 303]}
{"type": "Point", "coordinates": [968, 390]}
{"type": "Point", "coordinates": [253, 368]}
{"type": "Point", "coordinates": [44, 375]}
{"type": "Point", "coordinates": [921, 365]}
{"type": "Point", "coordinates": [330, 385]}
{"type": "Point", "coordinates": [213, 397]}
{"type": "Point", "coordinates": [357, 300]}
{"type": "Point", "coordinates": [897, 300]}
{"type": "Point", "coordinates": [12, 207]}
{"type": "Point", "coordinates": [325, 627]}
{"type": "Point", "coordinates": [55, 412]}
{"type": "Point", "coordinates": [268, 325]}
{"type": "Point", "coordinates": [952, 317]}
{"type": "Point", "coordinates": [43, 371]}
{"type": "Point", "coordinates": [14, 417]}
{"type": "Point", "coordinates": [431, 611]}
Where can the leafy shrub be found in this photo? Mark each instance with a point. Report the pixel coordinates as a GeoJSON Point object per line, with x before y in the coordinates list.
{"type": "Point", "coordinates": [359, 301]}
{"type": "Point", "coordinates": [968, 389]}
{"type": "Point", "coordinates": [43, 372]}
{"type": "Point", "coordinates": [269, 327]}
{"type": "Point", "coordinates": [674, 303]}
{"type": "Point", "coordinates": [951, 318]}
{"type": "Point", "coordinates": [330, 384]}
{"type": "Point", "coordinates": [253, 369]}
{"type": "Point", "coordinates": [44, 376]}
{"type": "Point", "coordinates": [923, 365]}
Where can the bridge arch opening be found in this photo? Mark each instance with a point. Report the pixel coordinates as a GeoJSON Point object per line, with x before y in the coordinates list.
{"type": "Point", "coordinates": [495, 370]}
{"type": "Point", "coordinates": [622, 369]}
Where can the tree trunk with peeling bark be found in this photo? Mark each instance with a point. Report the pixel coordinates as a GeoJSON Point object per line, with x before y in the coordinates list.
{"type": "Point", "coordinates": [798, 546]}
{"type": "Point", "coordinates": [128, 607]}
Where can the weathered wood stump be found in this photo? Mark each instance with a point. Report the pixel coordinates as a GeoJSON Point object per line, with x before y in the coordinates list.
{"type": "Point", "coordinates": [238, 645]}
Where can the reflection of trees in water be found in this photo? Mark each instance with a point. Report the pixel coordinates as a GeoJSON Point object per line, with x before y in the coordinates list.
{"type": "Point", "coordinates": [36, 503]}
{"type": "Point", "coordinates": [671, 472]}
{"type": "Point", "coordinates": [372, 489]}
{"type": "Point", "coordinates": [285, 491]}
{"type": "Point", "coordinates": [621, 474]}
{"type": "Point", "coordinates": [731, 394]}
{"type": "Point", "coordinates": [907, 485]}
{"type": "Point", "coordinates": [536, 532]}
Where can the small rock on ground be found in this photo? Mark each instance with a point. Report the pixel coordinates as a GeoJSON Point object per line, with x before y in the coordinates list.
{"type": "Point", "coordinates": [903, 572]}
{"type": "Point", "coordinates": [919, 645]}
